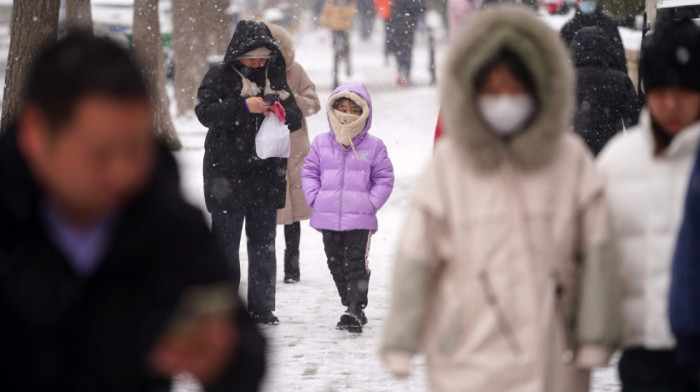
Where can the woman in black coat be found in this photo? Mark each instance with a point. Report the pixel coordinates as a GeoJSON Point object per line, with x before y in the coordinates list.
{"type": "Point", "coordinates": [606, 96]}
{"type": "Point", "coordinates": [238, 185]}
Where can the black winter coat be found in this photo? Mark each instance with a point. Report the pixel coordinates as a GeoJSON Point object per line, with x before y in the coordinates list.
{"type": "Point", "coordinates": [402, 24]}
{"type": "Point", "coordinates": [234, 176]}
{"type": "Point", "coordinates": [581, 20]}
{"type": "Point", "coordinates": [62, 332]}
{"type": "Point", "coordinates": [606, 96]}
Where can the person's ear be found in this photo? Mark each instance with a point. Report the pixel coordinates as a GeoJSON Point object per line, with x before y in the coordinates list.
{"type": "Point", "coordinates": [31, 132]}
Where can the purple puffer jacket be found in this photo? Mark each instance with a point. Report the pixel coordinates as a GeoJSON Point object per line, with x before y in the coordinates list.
{"type": "Point", "coordinates": [346, 190]}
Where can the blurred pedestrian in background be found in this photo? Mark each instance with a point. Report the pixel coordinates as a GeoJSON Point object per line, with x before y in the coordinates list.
{"type": "Point", "coordinates": [295, 207]}
{"type": "Point", "coordinates": [590, 13]}
{"type": "Point", "coordinates": [383, 10]}
{"type": "Point", "coordinates": [365, 9]}
{"type": "Point", "coordinates": [646, 172]}
{"type": "Point", "coordinates": [401, 34]}
{"type": "Point", "coordinates": [338, 15]}
{"type": "Point", "coordinates": [109, 280]}
{"type": "Point", "coordinates": [607, 99]}
{"type": "Point", "coordinates": [238, 185]}
{"type": "Point", "coordinates": [505, 275]}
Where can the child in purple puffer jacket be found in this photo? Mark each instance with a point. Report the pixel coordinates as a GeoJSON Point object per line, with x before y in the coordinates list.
{"type": "Point", "coordinates": [347, 177]}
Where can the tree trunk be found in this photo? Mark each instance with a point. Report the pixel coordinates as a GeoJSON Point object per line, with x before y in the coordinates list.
{"type": "Point", "coordinates": [34, 25]}
{"type": "Point", "coordinates": [149, 50]}
{"type": "Point", "coordinates": [78, 15]}
{"type": "Point", "coordinates": [217, 23]}
{"type": "Point", "coordinates": [190, 46]}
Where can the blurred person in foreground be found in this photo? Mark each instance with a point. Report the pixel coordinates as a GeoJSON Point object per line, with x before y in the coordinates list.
{"type": "Point", "coordinates": [109, 280]}
{"type": "Point", "coordinates": [505, 275]}
{"type": "Point", "coordinates": [590, 13]}
{"type": "Point", "coordinates": [646, 172]}
{"type": "Point", "coordinates": [606, 97]}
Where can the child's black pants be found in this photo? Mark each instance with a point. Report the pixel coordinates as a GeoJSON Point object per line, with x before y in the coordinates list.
{"type": "Point", "coordinates": [347, 253]}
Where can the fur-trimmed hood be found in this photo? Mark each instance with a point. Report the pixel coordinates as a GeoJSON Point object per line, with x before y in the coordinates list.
{"type": "Point", "coordinates": [284, 42]}
{"type": "Point", "coordinates": [544, 55]}
{"type": "Point", "coordinates": [352, 91]}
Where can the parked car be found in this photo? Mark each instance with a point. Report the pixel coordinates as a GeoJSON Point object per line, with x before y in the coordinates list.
{"type": "Point", "coordinates": [114, 18]}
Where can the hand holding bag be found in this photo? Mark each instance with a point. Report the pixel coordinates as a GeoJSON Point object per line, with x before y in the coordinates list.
{"type": "Point", "coordinates": [272, 139]}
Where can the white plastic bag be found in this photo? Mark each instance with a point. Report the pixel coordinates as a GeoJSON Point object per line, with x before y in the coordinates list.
{"type": "Point", "coordinates": [272, 140]}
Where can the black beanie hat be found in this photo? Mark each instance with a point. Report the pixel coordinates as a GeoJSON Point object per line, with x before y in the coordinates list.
{"type": "Point", "coordinates": [671, 56]}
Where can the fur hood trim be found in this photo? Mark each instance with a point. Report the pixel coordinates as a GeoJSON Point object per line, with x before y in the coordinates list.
{"type": "Point", "coordinates": [284, 41]}
{"type": "Point", "coordinates": [543, 53]}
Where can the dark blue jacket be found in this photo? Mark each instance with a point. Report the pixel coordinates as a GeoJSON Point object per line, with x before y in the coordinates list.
{"type": "Point", "coordinates": [684, 307]}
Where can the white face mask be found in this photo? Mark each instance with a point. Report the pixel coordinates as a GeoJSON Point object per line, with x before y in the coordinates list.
{"type": "Point", "coordinates": [506, 114]}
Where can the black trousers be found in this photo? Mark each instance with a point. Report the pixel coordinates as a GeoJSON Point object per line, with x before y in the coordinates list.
{"type": "Point", "coordinates": [643, 370]}
{"type": "Point", "coordinates": [347, 253]}
{"type": "Point", "coordinates": [260, 230]}
{"type": "Point", "coordinates": [292, 237]}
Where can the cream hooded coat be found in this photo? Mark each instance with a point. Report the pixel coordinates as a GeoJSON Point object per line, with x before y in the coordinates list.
{"type": "Point", "coordinates": [505, 276]}
{"type": "Point", "coordinates": [295, 208]}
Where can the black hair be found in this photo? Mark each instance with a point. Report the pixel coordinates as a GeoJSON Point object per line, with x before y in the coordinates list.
{"type": "Point", "coordinates": [514, 65]}
{"type": "Point", "coordinates": [76, 66]}
{"type": "Point", "coordinates": [338, 101]}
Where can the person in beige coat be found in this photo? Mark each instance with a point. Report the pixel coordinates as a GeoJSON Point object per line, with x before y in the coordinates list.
{"type": "Point", "coordinates": [338, 15]}
{"type": "Point", "coordinates": [505, 275]}
{"type": "Point", "coordinates": [295, 208]}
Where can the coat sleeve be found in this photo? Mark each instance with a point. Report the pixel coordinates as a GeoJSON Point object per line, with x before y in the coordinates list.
{"type": "Point", "coordinates": [416, 271]}
{"type": "Point", "coordinates": [381, 176]}
{"type": "Point", "coordinates": [598, 317]}
{"type": "Point", "coordinates": [311, 175]}
{"type": "Point", "coordinates": [631, 106]}
{"type": "Point", "coordinates": [213, 107]}
{"type": "Point", "coordinates": [294, 115]}
{"type": "Point", "coordinates": [305, 95]}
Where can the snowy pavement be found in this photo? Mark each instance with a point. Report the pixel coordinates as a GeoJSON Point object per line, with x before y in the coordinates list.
{"type": "Point", "coordinates": [307, 353]}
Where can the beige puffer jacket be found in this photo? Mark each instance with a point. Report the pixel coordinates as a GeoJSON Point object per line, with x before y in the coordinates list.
{"type": "Point", "coordinates": [295, 208]}
{"type": "Point", "coordinates": [338, 17]}
{"type": "Point", "coordinates": [505, 275]}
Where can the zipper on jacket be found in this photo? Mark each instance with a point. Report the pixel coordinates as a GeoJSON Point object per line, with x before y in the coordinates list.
{"type": "Point", "coordinates": [502, 321]}
{"type": "Point", "coordinates": [342, 187]}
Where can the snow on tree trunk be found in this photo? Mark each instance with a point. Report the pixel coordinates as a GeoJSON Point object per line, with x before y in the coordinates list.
{"type": "Point", "coordinates": [190, 46]}
{"type": "Point", "coordinates": [34, 25]}
{"type": "Point", "coordinates": [149, 49]}
{"type": "Point", "coordinates": [78, 15]}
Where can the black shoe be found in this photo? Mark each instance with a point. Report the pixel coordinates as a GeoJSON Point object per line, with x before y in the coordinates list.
{"type": "Point", "coordinates": [350, 321]}
{"type": "Point", "coordinates": [363, 317]}
{"type": "Point", "coordinates": [267, 318]}
{"type": "Point", "coordinates": [291, 266]}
